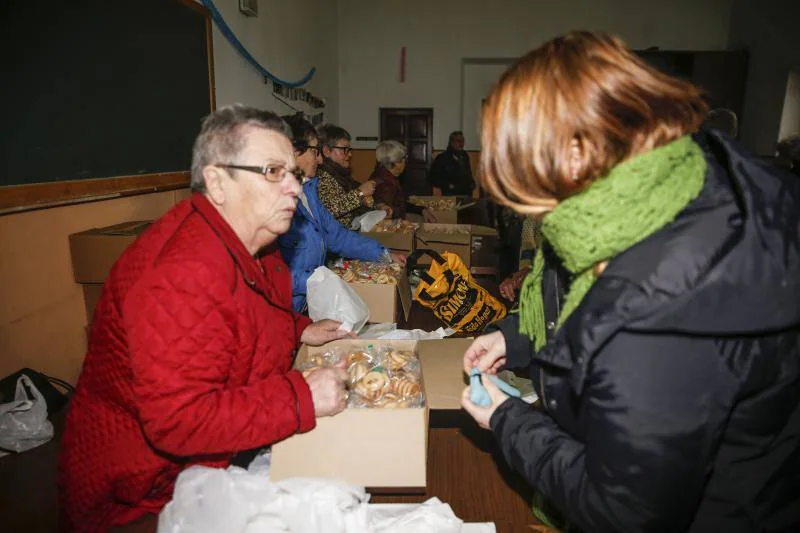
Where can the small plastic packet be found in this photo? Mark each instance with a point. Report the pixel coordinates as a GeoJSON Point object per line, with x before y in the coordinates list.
{"type": "Point", "coordinates": [386, 378]}
{"type": "Point", "coordinates": [320, 360]}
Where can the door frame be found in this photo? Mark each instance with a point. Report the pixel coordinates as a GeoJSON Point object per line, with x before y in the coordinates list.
{"type": "Point", "coordinates": [382, 111]}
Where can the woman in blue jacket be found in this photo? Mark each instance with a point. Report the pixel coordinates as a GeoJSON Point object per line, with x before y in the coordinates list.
{"type": "Point", "coordinates": [314, 231]}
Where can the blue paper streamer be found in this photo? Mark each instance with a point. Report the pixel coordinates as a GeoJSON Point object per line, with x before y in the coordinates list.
{"type": "Point", "coordinates": [228, 33]}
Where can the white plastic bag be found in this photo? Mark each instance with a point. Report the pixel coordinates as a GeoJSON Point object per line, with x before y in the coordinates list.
{"type": "Point", "coordinates": [23, 422]}
{"type": "Point", "coordinates": [210, 500]}
{"type": "Point", "coordinates": [390, 332]}
{"type": "Point", "coordinates": [368, 220]}
{"type": "Point", "coordinates": [330, 297]}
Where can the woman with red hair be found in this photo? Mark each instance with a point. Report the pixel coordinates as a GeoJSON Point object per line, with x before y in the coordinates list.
{"type": "Point", "coordinates": [670, 379]}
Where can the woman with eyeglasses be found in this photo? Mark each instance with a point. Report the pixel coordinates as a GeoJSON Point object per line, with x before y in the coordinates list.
{"type": "Point", "coordinates": [344, 196]}
{"type": "Point", "coordinates": [670, 380]}
{"type": "Point", "coordinates": [389, 195]}
{"type": "Point", "coordinates": [314, 231]}
{"type": "Point", "coordinates": [191, 349]}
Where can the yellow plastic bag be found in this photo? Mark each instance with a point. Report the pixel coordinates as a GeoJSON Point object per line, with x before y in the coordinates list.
{"type": "Point", "coordinates": [447, 289]}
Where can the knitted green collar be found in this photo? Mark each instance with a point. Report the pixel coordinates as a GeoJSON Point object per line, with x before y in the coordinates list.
{"type": "Point", "coordinates": [636, 199]}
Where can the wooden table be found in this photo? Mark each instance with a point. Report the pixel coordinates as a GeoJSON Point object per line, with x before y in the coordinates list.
{"type": "Point", "coordinates": [465, 470]}
{"type": "Point", "coordinates": [465, 466]}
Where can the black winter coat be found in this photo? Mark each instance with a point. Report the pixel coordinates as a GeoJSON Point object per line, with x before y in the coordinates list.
{"type": "Point", "coordinates": [671, 395]}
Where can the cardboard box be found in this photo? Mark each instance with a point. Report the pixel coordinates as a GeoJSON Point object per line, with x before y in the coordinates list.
{"type": "Point", "coordinates": [475, 245]}
{"type": "Point", "coordinates": [394, 241]}
{"type": "Point", "coordinates": [91, 295]}
{"type": "Point", "coordinates": [377, 448]}
{"type": "Point", "coordinates": [95, 251]}
{"type": "Point", "coordinates": [385, 301]}
{"type": "Point", "coordinates": [442, 216]}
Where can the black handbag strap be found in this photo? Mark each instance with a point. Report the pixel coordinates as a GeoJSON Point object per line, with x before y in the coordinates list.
{"type": "Point", "coordinates": [411, 264]}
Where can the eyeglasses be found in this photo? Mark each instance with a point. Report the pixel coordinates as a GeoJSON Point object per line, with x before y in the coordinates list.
{"type": "Point", "coordinates": [345, 149]}
{"type": "Point", "coordinates": [301, 146]}
{"type": "Point", "coordinates": [272, 173]}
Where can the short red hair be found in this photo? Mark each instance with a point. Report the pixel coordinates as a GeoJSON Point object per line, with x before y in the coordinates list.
{"type": "Point", "coordinates": [582, 86]}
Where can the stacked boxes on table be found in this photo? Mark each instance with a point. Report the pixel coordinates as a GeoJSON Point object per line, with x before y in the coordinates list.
{"type": "Point", "coordinates": [396, 235]}
{"type": "Point", "coordinates": [475, 245]}
{"type": "Point", "coordinates": [95, 251]}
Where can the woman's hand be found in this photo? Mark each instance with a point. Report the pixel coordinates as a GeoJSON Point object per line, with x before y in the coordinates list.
{"type": "Point", "coordinates": [483, 415]}
{"type": "Point", "coordinates": [367, 188]}
{"type": "Point", "coordinates": [428, 215]}
{"type": "Point", "coordinates": [318, 333]}
{"type": "Point", "coordinates": [386, 208]}
{"type": "Point", "coordinates": [507, 289]}
{"type": "Point", "coordinates": [399, 258]}
{"type": "Point", "coordinates": [487, 352]}
{"type": "Point", "coordinates": [510, 285]}
{"type": "Point", "coordinates": [327, 386]}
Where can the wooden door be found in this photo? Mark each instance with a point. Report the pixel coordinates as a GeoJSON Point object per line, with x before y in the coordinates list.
{"type": "Point", "coordinates": [414, 128]}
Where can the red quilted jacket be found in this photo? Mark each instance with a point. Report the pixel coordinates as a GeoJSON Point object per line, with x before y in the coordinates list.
{"type": "Point", "coordinates": [189, 362]}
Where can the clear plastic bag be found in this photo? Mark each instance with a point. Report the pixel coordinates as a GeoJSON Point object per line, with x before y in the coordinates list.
{"type": "Point", "coordinates": [23, 422]}
{"type": "Point", "coordinates": [385, 378]}
{"type": "Point", "coordinates": [329, 297]}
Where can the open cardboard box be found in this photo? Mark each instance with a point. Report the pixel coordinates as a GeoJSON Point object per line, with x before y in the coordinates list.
{"type": "Point", "coordinates": [449, 216]}
{"type": "Point", "coordinates": [95, 251]}
{"type": "Point", "coordinates": [465, 244]}
{"type": "Point", "coordinates": [394, 241]}
{"type": "Point", "coordinates": [385, 301]}
{"type": "Point", "coordinates": [382, 449]}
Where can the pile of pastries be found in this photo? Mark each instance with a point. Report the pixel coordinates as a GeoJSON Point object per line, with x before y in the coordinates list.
{"type": "Point", "coordinates": [436, 204]}
{"type": "Point", "coordinates": [449, 229]}
{"type": "Point", "coordinates": [354, 271]}
{"type": "Point", "coordinates": [387, 378]}
{"type": "Point", "coordinates": [396, 225]}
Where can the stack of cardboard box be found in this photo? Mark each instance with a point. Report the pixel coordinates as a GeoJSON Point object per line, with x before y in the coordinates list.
{"type": "Point", "coordinates": [475, 245]}
{"type": "Point", "coordinates": [94, 252]}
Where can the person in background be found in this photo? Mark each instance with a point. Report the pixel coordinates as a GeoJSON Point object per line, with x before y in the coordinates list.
{"type": "Point", "coordinates": [787, 154]}
{"type": "Point", "coordinates": [340, 193]}
{"type": "Point", "coordinates": [529, 243]}
{"type": "Point", "coordinates": [670, 387]}
{"type": "Point", "coordinates": [451, 172]}
{"type": "Point", "coordinates": [389, 195]}
{"type": "Point", "coordinates": [191, 349]}
{"type": "Point", "coordinates": [314, 231]}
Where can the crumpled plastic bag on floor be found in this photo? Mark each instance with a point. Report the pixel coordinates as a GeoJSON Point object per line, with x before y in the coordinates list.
{"type": "Point", "coordinates": [210, 500]}
{"type": "Point", "coordinates": [23, 422]}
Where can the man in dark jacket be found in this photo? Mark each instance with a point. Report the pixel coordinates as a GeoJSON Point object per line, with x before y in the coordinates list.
{"type": "Point", "coordinates": [671, 395]}
{"type": "Point", "coordinates": [451, 171]}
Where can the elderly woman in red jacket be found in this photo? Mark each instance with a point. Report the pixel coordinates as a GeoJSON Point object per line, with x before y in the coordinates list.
{"type": "Point", "coordinates": [389, 195]}
{"type": "Point", "coordinates": [190, 356]}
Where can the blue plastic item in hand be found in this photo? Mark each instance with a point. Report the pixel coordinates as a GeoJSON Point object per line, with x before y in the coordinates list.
{"type": "Point", "coordinates": [478, 393]}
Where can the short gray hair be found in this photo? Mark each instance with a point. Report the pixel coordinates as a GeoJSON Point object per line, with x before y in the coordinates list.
{"type": "Point", "coordinates": [390, 152]}
{"type": "Point", "coordinates": [223, 135]}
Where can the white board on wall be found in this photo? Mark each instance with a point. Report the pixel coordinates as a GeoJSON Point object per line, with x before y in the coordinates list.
{"type": "Point", "coordinates": [478, 79]}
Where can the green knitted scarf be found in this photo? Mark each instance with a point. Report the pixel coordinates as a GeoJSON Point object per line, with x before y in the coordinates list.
{"type": "Point", "coordinates": [636, 199]}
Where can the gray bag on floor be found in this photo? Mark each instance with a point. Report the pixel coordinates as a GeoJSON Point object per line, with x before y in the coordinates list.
{"type": "Point", "coordinates": [23, 422]}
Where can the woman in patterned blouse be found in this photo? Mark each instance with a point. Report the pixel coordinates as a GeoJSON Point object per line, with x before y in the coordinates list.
{"type": "Point", "coordinates": [344, 197]}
